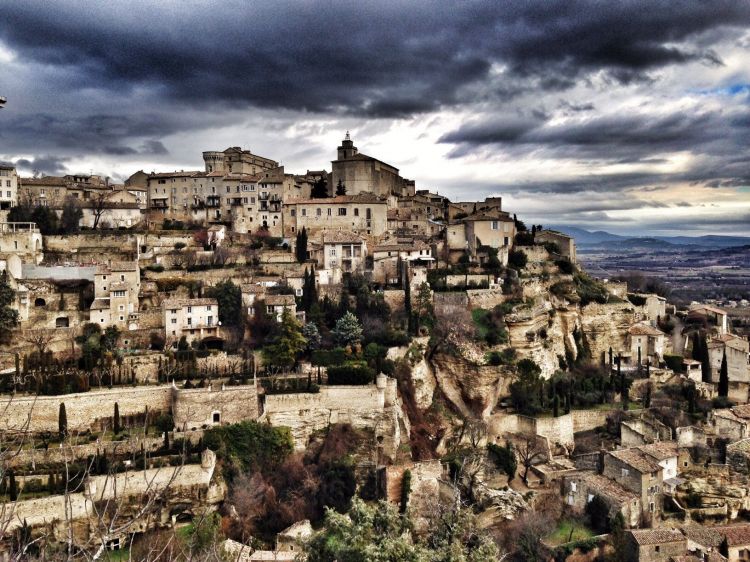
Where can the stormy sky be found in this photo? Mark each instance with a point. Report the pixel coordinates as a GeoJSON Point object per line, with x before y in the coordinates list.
{"type": "Point", "coordinates": [633, 117]}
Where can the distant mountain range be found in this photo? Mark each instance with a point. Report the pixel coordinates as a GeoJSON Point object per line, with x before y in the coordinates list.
{"type": "Point", "coordinates": [601, 238]}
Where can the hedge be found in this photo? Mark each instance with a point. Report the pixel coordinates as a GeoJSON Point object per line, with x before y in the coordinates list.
{"type": "Point", "coordinates": [329, 357]}
{"type": "Point", "coordinates": [674, 362]}
{"type": "Point", "coordinates": [350, 374]}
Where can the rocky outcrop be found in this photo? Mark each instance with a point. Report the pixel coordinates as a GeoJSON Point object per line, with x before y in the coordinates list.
{"type": "Point", "coordinates": [473, 389]}
{"type": "Point", "coordinates": [606, 325]}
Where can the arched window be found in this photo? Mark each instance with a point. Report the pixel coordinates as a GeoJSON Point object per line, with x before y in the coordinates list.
{"type": "Point", "coordinates": [40, 302]}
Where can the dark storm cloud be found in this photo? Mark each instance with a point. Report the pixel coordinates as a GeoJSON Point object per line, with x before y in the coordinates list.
{"type": "Point", "coordinates": [47, 165]}
{"type": "Point", "coordinates": [384, 60]}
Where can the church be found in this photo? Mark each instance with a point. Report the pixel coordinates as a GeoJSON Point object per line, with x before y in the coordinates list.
{"type": "Point", "coordinates": [360, 173]}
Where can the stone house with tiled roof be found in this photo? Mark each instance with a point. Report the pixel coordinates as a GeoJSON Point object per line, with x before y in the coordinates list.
{"type": "Point", "coordinates": [654, 545]}
{"type": "Point", "coordinates": [580, 488]}
{"type": "Point", "coordinates": [362, 213]}
{"type": "Point", "coordinates": [117, 287]}
{"type": "Point", "coordinates": [195, 319]}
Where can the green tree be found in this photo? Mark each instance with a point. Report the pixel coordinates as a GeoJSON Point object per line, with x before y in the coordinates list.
{"type": "Point", "coordinates": [319, 189]}
{"type": "Point", "coordinates": [62, 421]}
{"type": "Point", "coordinates": [504, 458]}
{"type": "Point", "coordinates": [8, 315]}
{"type": "Point", "coordinates": [229, 297]}
{"type": "Point", "coordinates": [526, 391]}
{"type": "Point", "coordinates": [724, 376]}
{"type": "Point", "coordinates": [517, 259]}
{"type": "Point", "coordinates": [71, 216]}
{"type": "Point", "coordinates": [116, 427]}
{"type": "Point", "coordinates": [300, 246]}
{"type": "Point", "coordinates": [289, 343]}
{"type": "Point", "coordinates": [705, 361]}
{"type": "Point", "coordinates": [348, 330]}
{"type": "Point", "coordinates": [12, 486]}
{"type": "Point", "coordinates": [340, 188]}
{"type": "Point", "coordinates": [424, 313]}
{"type": "Point", "coordinates": [312, 335]}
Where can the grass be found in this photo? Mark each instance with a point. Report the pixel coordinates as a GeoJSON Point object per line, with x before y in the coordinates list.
{"type": "Point", "coordinates": [562, 533]}
{"type": "Point", "coordinates": [479, 316]}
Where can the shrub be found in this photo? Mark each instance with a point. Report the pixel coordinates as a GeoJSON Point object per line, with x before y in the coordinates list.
{"type": "Point", "coordinates": [329, 357]}
{"type": "Point", "coordinates": [504, 458]}
{"type": "Point", "coordinates": [674, 362]}
{"type": "Point", "coordinates": [552, 248]}
{"type": "Point", "coordinates": [517, 259]}
{"type": "Point", "coordinates": [350, 374]}
{"type": "Point", "coordinates": [405, 490]}
{"type": "Point", "coordinates": [250, 444]}
{"type": "Point", "coordinates": [565, 266]}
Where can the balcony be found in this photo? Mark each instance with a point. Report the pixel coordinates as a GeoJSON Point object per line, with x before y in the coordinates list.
{"type": "Point", "coordinates": [158, 204]}
{"type": "Point", "coordinates": [213, 201]}
{"type": "Point", "coordinates": [236, 202]}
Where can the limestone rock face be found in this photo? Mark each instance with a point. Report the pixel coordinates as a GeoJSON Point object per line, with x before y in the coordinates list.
{"type": "Point", "coordinates": [497, 506]}
{"type": "Point", "coordinates": [606, 325]}
{"type": "Point", "coordinates": [424, 384]}
{"type": "Point", "coordinates": [473, 389]}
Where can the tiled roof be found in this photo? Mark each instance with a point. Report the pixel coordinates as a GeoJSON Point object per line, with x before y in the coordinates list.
{"type": "Point", "coordinates": [660, 451]}
{"type": "Point", "coordinates": [180, 303]}
{"type": "Point", "coordinates": [280, 300]}
{"type": "Point", "coordinates": [116, 266]}
{"type": "Point", "coordinates": [657, 536]}
{"type": "Point", "coordinates": [708, 537]}
{"type": "Point", "coordinates": [636, 459]}
{"type": "Point", "coordinates": [643, 329]}
{"type": "Point", "coordinates": [100, 304]}
{"type": "Point", "coordinates": [742, 411]}
{"type": "Point", "coordinates": [736, 535]}
{"type": "Point", "coordinates": [339, 236]}
{"type": "Point", "coordinates": [608, 488]}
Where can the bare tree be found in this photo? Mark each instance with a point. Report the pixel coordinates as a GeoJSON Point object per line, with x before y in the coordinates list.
{"type": "Point", "coordinates": [40, 338]}
{"type": "Point", "coordinates": [99, 203]}
{"type": "Point", "coordinates": [529, 453]}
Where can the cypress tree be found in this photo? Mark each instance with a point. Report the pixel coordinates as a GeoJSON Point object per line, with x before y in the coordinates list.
{"type": "Point", "coordinates": [62, 421]}
{"type": "Point", "coordinates": [116, 423]}
{"type": "Point", "coordinates": [12, 486]}
{"type": "Point", "coordinates": [300, 245]}
{"type": "Point", "coordinates": [697, 352]}
{"type": "Point", "coordinates": [705, 361]}
{"type": "Point", "coordinates": [556, 405]}
{"type": "Point", "coordinates": [724, 376]}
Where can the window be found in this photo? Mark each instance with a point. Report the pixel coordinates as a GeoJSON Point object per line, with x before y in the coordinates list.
{"type": "Point", "coordinates": [121, 308]}
{"type": "Point", "coordinates": [333, 252]}
{"type": "Point", "coordinates": [304, 212]}
{"type": "Point", "coordinates": [190, 321]}
{"type": "Point", "coordinates": [657, 547]}
{"type": "Point", "coordinates": [190, 309]}
{"type": "Point", "coordinates": [318, 212]}
{"type": "Point", "coordinates": [210, 321]}
{"type": "Point", "coordinates": [574, 486]}
{"type": "Point", "coordinates": [494, 225]}
{"type": "Point", "coordinates": [174, 320]}
{"type": "Point", "coordinates": [294, 213]}
{"type": "Point", "coordinates": [208, 307]}
{"type": "Point", "coordinates": [356, 212]}
{"type": "Point", "coordinates": [624, 472]}
{"type": "Point", "coordinates": [119, 293]}
{"type": "Point", "coordinates": [330, 212]}
{"type": "Point", "coordinates": [342, 211]}
{"type": "Point", "coordinates": [216, 417]}
{"type": "Point", "coordinates": [122, 278]}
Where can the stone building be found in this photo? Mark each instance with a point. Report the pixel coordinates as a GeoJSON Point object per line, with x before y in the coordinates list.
{"type": "Point", "coordinates": [195, 319]}
{"type": "Point", "coordinates": [8, 187]}
{"type": "Point", "coordinates": [22, 240]}
{"type": "Point", "coordinates": [277, 304]}
{"type": "Point", "coordinates": [494, 229]}
{"type": "Point", "coordinates": [715, 318]}
{"type": "Point", "coordinates": [364, 214]}
{"type": "Point", "coordinates": [642, 474]}
{"type": "Point", "coordinates": [737, 351]}
{"type": "Point", "coordinates": [580, 488]}
{"type": "Point", "coordinates": [566, 244]}
{"type": "Point", "coordinates": [654, 545]}
{"type": "Point", "coordinates": [340, 252]}
{"type": "Point", "coordinates": [364, 174]}
{"type": "Point", "coordinates": [116, 289]}
{"type": "Point", "coordinates": [646, 342]}
{"type": "Point", "coordinates": [385, 258]}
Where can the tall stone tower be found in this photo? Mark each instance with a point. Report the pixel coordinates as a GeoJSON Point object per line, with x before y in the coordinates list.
{"type": "Point", "coordinates": [347, 148]}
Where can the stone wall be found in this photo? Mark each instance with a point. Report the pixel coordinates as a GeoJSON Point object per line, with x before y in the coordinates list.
{"type": "Point", "coordinates": [486, 298]}
{"type": "Point", "coordinates": [395, 298]}
{"type": "Point", "coordinates": [40, 413]}
{"type": "Point", "coordinates": [460, 280]}
{"type": "Point", "coordinates": [448, 304]}
{"type": "Point", "coordinates": [201, 407]}
{"type": "Point", "coordinates": [94, 247]}
{"type": "Point", "coordinates": [561, 429]}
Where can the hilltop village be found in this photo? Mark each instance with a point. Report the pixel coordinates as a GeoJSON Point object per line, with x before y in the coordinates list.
{"type": "Point", "coordinates": [242, 355]}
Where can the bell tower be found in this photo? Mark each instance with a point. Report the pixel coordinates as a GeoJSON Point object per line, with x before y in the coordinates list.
{"type": "Point", "coordinates": [347, 148]}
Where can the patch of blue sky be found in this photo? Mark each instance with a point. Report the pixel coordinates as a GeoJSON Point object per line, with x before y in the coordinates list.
{"type": "Point", "coordinates": [731, 90]}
